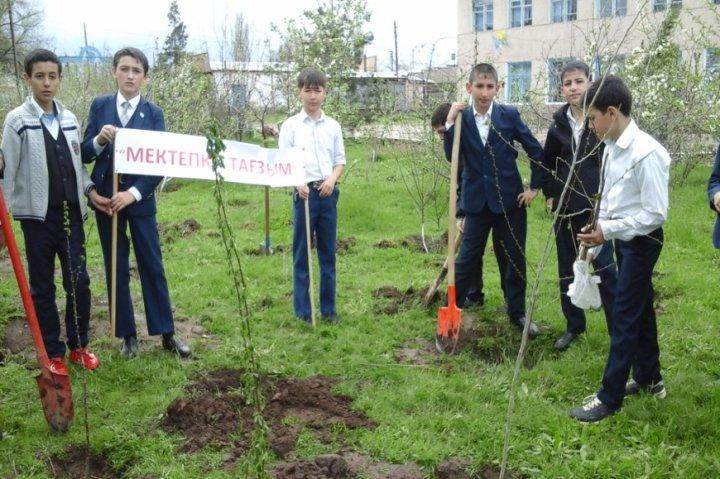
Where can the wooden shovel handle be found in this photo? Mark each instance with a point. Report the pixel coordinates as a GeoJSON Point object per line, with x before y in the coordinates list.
{"type": "Point", "coordinates": [452, 209]}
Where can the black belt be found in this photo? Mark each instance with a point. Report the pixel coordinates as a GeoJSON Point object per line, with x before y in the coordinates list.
{"type": "Point", "coordinates": [315, 184]}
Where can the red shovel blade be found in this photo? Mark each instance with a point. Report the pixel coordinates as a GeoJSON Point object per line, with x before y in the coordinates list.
{"type": "Point", "coordinates": [56, 399]}
{"type": "Point", "coordinates": [448, 324]}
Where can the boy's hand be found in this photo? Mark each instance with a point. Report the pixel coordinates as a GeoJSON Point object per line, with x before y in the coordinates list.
{"type": "Point", "coordinates": [590, 237]}
{"type": "Point", "coordinates": [100, 202]}
{"type": "Point", "coordinates": [526, 197]}
{"type": "Point", "coordinates": [303, 191]}
{"type": "Point", "coordinates": [455, 109]}
{"type": "Point", "coordinates": [106, 135]}
{"type": "Point", "coordinates": [460, 225]}
{"type": "Point", "coordinates": [121, 200]}
{"type": "Point", "coordinates": [716, 201]}
{"type": "Point", "coordinates": [327, 187]}
{"type": "Point", "coordinates": [549, 203]}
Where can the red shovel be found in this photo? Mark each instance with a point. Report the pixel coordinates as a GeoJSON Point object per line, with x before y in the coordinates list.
{"type": "Point", "coordinates": [449, 317]}
{"type": "Point", "coordinates": [55, 393]}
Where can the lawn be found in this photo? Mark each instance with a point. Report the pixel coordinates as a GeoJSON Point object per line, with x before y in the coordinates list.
{"type": "Point", "coordinates": [426, 409]}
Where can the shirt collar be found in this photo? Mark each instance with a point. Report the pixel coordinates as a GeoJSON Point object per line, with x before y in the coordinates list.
{"type": "Point", "coordinates": [571, 118]}
{"type": "Point", "coordinates": [38, 109]}
{"type": "Point", "coordinates": [133, 101]}
{"type": "Point", "coordinates": [304, 116]}
{"type": "Point", "coordinates": [628, 135]}
{"type": "Point", "coordinates": [486, 115]}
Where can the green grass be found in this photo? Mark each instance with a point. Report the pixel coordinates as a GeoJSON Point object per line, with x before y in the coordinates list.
{"type": "Point", "coordinates": [453, 407]}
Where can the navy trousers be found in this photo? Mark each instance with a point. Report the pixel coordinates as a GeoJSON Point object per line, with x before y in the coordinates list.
{"type": "Point", "coordinates": [511, 230]}
{"type": "Point", "coordinates": [476, 286]}
{"type": "Point", "coordinates": [146, 244]}
{"type": "Point", "coordinates": [566, 231]}
{"type": "Point", "coordinates": [633, 341]}
{"type": "Point", "coordinates": [323, 224]}
{"type": "Point", "coordinates": [43, 241]}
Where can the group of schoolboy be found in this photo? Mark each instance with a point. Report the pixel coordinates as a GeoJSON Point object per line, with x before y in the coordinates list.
{"type": "Point", "coordinates": [46, 187]}
{"type": "Point", "coordinates": [45, 181]}
{"type": "Point", "coordinates": [592, 147]}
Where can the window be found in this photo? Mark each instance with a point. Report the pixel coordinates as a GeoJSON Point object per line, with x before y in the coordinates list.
{"type": "Point", "coordinates": [610, 8]}
{"type": "Point", "coordinates": [555, 66]}
{"type": "Point", "coordinates": [238, 96]}
{"type": "Point", "coordinates": [662, 5]}
{"type": "Point", "coordinates": [483, 12]}
{"type": "Point", "coordinates": [712, 62]}
{"type": "Point", "coordinates": [613, 66]}
{"type": "Point", "coordinates": [518, 81]}
{"type": "Point", "coordinates": [563, 10]}
{"type": "Point", "coordinates": [520, 13]}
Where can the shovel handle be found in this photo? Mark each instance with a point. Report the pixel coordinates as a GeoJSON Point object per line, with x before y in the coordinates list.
{"type": "Point", "coordinates": [22, 284]}
{"type": "Point", "coordinates": [113, 264]}
{"type": "Point", "coordinates": [452, 209]}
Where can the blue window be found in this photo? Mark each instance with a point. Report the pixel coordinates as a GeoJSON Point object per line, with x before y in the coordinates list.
{"type": "Point", "coordinates": [520, 13]}
{"type": "Point", "coordinates": [563, 10]}
{"type": "Point", "coordinates": [610, 8]}
{"type": "Point", "coordinates": [519, 76]}
{"type": "Point", "coordinates": [483, 14]}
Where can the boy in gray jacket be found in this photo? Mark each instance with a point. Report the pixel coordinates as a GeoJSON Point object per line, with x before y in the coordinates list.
{"type": "Point", "coordinates": [44, 184]}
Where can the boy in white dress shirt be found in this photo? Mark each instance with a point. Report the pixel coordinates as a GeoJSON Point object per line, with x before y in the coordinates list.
{"type": "Point", "coordinates": [321, 138]}
{"type": "Point", "coordinates": [633, 208]}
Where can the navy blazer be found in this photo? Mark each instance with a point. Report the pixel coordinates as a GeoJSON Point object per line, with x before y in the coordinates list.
{"type": "Point", "coordinates": [490, 173]}
{"type": "Point", "coordinates": [147, 116]}
{"type": "Point", "coordinates": [714, 187]}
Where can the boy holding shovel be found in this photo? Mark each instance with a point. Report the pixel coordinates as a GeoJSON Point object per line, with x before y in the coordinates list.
{"type": "Point", "coordinates": [321, 138]}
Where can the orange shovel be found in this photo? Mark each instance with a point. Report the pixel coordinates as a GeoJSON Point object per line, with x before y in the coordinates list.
{"type": "Point", "coordinates": [449, 317]}
{"type": "Point", "coordinates": [55, 393]}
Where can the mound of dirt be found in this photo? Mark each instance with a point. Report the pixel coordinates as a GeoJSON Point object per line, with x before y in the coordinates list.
{"type": "Point", "coordinates": [328, 466]}
{"type": "Point", "coordinates": [343, 245]}
{"type": "Point", "coordinates": [215, 412]}
{"type": "Point", "coordinates": [390, 300]}
{"type": "Point", "coordinates": [73, 463]}
{"type": "Point", "coordinates": [169, 232]}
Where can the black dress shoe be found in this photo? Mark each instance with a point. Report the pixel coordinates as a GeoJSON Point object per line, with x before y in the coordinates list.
{"type": "Point", "coordinates": [129, 347]}
{"type": "Point", "coordinates": [533, 331]}
{"type": "Point", "coordinates": [564, 341]}
{"type": "Point", "coordinates": [175, 345]}
{"type": "Point", "coordinates": [593, 410]}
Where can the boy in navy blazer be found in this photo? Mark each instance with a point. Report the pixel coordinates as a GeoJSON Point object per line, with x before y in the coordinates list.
{"type": "Point", "coordinates": [492, 191]}
{"type": "Point", "coordinates": [134, 203]}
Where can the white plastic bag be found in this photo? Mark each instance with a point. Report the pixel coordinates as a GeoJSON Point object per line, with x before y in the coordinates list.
{"type": "Point", "coordinates": [583, 291]}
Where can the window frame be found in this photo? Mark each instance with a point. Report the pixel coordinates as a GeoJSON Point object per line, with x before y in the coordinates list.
{"type": "Point", "coordinates": [565, 15]}
{"type": "Point", "coordinates": [510, 81]}
{"type": "Point", "coordinates": [484, 8]}
{"type": "Point", "coordinates": [526, 13]}
{"type": "Point", "coordinates": [614, 10]}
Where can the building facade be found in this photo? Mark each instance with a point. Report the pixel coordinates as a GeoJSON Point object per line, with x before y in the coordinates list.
{"type": "Point", "coordinates": [529, 40]}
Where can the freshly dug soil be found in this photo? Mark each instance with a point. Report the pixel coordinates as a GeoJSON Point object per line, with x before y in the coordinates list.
{"type": "Point", "coordinates": [215, 413]}
{"type": "Point", "coordinates": [389, 300]}
{"type": "Point", "coordinates": [72, 465]}
{"type": "Point", "coordinates": [345, 465]}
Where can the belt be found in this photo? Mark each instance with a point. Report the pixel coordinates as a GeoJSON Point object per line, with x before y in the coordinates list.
{"type": "Point", "coordinates": [315, 184]}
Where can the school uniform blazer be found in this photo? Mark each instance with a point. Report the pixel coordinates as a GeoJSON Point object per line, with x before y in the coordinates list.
{"type": "Point", "coordinates": [147, 116]}
{"type": "Point", "coordinates": [490, 173]}
{"type": "Point", "coordinates": [714, 187]}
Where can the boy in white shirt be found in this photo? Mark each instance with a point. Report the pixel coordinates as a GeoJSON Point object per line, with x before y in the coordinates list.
{"type": "Point", "coordinates": [321, 138]}
{"type": "Point", "coordinates": [633, 208]}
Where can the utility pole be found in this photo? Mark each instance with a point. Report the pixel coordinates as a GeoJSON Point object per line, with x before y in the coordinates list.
{"type": "Point", "coordinates": [397, 63]}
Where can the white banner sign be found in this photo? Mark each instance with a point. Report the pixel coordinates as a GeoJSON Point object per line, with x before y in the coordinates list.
{"type": "Point", "coordinates": [154, 153]}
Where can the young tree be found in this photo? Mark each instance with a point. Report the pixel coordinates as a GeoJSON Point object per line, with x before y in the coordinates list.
{"type": "Point", "coordinates": [24, 29]}
{"type": "Point", "coordinates": [176, 42]}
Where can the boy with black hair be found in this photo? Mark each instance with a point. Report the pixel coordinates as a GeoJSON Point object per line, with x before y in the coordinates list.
{"type": "Point", "coordinates": [321, 138]}
{"type": "Point", "coordinates": [134, 204]}
{"type": "Point", "coordinates": [569, 139]}
{"type": "Point", "coordinates": [493, 197]}
{"type": "Point", "coordinates": [44, 183]}
{"type": "Point", "coordinates": [633, 208]}
{"type": "Point", "coordinates": [474, 296]}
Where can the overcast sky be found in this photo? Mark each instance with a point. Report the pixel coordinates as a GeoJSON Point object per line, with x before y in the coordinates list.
{"type": "Point", "coordinates": [143, 23]}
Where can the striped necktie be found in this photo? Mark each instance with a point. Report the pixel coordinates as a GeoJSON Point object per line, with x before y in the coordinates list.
{"type": "Point", "coordinates": [125, 116]}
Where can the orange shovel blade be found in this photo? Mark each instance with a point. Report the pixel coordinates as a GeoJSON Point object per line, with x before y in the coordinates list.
{"type": "Point", "coordinates": [448, 324]}
{"type": "Point", "coordinates": [56, 399]}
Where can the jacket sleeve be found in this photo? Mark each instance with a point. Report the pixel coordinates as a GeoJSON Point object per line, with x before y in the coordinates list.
{"type": "Point", "coordinates": [91, 131]}
{"type": "Point", "coordinates": [714, 182]}
{"type": "Point", "coordinates": [11, 145]}
{"type": "Point", "coordinates": [146, 184]}
{"type": "Point", "coordinates": [448, 140]}
{"type": "Point", "coordinates": [533, 149]}
{"type": "Point", "coordinates": [551, 152]}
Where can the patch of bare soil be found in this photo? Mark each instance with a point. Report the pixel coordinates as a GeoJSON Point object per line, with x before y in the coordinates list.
{"type": "Point", "coordinates": [215, 413]}
{"type": "Point", "coordinates": [390, 300]}
{"type": "Point", "coordinates": [435, 244]}
{"type": "Point", "coordinates": [169, 232]}
{"type": "Point", "coordinates": [459, 468]}
{"type": "Point", "coordinates": [343, 245]}
{"type": "Point", "coordinates": [260, 250]}
{"type": "Point", "coordinates": [345, 465]}
{"type": "Point", "coordinates": [74, 464]}
{"type": "Point", "coordinates": [385, 244]}
{"type": "Point", "coordinates": [491, 342]}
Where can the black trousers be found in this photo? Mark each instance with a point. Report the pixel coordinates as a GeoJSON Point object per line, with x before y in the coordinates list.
{"type": "Point", "coordinates": [511, 231]}
{"type": "Point", "coordinates": [633, 341]}
{"type": "Point", "coordinates": [566, 231]}
{"type": "Point", "coordinates": [43, 241]}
